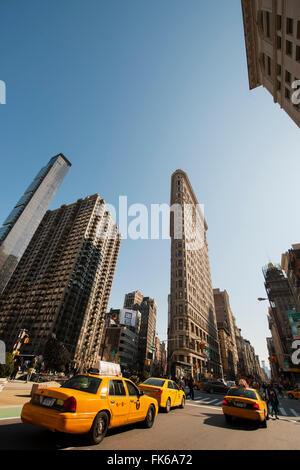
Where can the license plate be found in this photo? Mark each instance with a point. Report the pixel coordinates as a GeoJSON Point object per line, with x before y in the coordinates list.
{"type": "Point", "coordinates": [48, 401]}
{"type": "Point", "coordinates": [241, 405]}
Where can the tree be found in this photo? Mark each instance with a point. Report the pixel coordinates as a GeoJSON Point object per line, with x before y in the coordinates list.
{"type": "Point", "coordinates": [7, 368]}
{"type": "Point", "coordinates": [56, 356]}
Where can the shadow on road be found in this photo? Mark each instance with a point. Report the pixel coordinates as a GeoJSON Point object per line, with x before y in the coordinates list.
{"type": "Point", "coordinates": [237, 423]}
{"type": "Point", "coordinates": [20, 436]}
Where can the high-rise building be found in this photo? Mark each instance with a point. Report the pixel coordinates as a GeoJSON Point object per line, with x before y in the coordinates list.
{"type": "Point", "coordinates": [282, 301]}
{"type": "Point", "coordinates": [290, 263]}
{"type": "Point", "coordinates": [63, 281]}
{"type": "Point", "coordinates": [20, 225]}
{"type": "Point", "coordinates": [193, 345]}
{"type": "Point", "coordinates": [148, 308]}
{"type": "Point", "coordinates": [133, 299]}
{"type": "Point", "coordinates": [226, 332]}
{"type": "Point", "coordinates": [272, 35]}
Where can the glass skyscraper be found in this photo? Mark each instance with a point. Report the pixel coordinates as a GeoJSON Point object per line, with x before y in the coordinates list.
{"type": "Point", "coordinates": [24, 219]}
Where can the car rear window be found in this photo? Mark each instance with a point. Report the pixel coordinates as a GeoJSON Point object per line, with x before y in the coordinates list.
{"type": "Point", "coordinates": [241, 392]}
{"type": "Point", "coordinates": [83, 383]}
{"type": "Point", "coordinates": [154, 382]}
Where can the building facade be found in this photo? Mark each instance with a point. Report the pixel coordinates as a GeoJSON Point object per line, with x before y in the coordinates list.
{"type": "Point", "coordinates": [121, 346]}
{"type": "Point", "coordinates": [290, 264]}
{"type": "Point", "coordinates": [282, 301]}
{"type": "Point", "coordinates": [226, 332]}
{"type": "Point", "coordinates": [148, 309]}
{"type": "Point", "coordinates": [63, 281]}
{"type": "Point", "coordinates": [20, 225]}
{"type": "Point", "coordinates": [126, 317]}
{"type": "Point", "coordinates": [193, 345]}
{"type": "Point", "coordinates": [272, 36]}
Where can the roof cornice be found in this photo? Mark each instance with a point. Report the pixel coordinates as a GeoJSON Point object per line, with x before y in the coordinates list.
{"type": "Point", "coordinates": [248, 9]}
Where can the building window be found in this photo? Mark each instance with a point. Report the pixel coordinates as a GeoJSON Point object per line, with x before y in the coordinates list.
{"type": "Point", "coordinates": [278, 22]}
{"type": "Point", "coordinates": [268, 30]}
{"type": "Point", "coordinates": [278, 69]}
{"type": "Point", "coordinates": [289, 48]}
{"type": "Point", "coordinates": [180, 324]}
{"type": "Point", "coordinates": [289, 26]}
{"type": "Point", "coordinates": [278, 42]}
{"type": "Point", "coordinates": [288, 77]}
{"type": "Point", "coordinates": [287, 93]}
{"type": "Point", "coordinates": [298, 30]}
{"type": "Point", "coordinates": [298, 53]}
{"type": "Point", "coordinates": [269, 66]}
{"type": "Point", "coordinates": [278, 85]}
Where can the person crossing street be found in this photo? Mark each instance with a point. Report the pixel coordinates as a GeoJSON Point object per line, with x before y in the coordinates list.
{"type": "Point", "coordinates": [191, 388]}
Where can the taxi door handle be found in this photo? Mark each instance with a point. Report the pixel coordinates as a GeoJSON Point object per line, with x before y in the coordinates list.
{"type": "Point", "coordinates": [112, 401]}
{"type": "Point", "coordinates": [132, 401]}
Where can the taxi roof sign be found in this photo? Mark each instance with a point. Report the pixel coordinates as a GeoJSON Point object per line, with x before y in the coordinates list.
{"type": "Point", "coordinates": [106, 368]}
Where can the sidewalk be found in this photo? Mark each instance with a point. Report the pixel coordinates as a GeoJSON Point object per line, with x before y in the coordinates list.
{"type": "Point", "coordinates": [14, 394]}
{"type": "Point", "coordinates": [12, 398]}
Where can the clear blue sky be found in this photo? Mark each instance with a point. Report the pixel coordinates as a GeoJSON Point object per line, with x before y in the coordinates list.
{"type": "Point", "coordinates": [132, 90]}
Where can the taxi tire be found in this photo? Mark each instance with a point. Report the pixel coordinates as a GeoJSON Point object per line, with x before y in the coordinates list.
{"type": "Point", "coordinates": [290, 396]}
{"type": "Point", "coordinates": [150, 417]}
{"type": "Point", "coordinates": [168, 406]}
{"type": "Point", "coordinates": [228, 418]}
{"type": "Point", "coordinates": [94, 438]}
{"type": "Point", "coordinates": [264, 423]}
{"type": "Point", "coordinates": [182, 405]}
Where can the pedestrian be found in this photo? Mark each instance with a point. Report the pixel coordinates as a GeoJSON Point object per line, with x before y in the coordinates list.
{"type": "Point", "coordinates": [15, 371]}
{"type": "Point", "coordinates": [30, 371]}
{"type": "Point", "coordinates": [191, 388]}
{"type": "Point", "coordinates": [274, 403]}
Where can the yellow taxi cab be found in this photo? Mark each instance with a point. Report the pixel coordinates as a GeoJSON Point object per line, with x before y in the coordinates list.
{"type": "Point", "coordinates": [295, 393]}
{"type": "Point", "coordinates": [165, 391]}
{"type": "Point", "coordinates": [246, 403]}
{"type": "Point", "coordinates": [198, 384]}
{"type": "Point", "coordinates": [90, 403]}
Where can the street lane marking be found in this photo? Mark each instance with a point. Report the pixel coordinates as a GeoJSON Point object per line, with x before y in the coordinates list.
{"type": "Point", "coordinates": [294, 413]}
{"type": "Point", "coordinates": [282, 411]}
{"type": "Point", "coordinates": [212, 401]}
{"type": "Point", "coordinates": [205, 406]}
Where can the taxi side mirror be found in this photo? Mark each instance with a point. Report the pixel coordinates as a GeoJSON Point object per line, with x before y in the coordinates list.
{"type": "Point", "coordinates": [141, 393]}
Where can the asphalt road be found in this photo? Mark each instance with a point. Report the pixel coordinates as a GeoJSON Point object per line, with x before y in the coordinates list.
{"type": "Point", "coordinates": [197, 427]}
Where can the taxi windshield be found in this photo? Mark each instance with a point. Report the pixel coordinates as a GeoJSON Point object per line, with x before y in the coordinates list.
{"type": "Point", "coordinates": [83, 383]}
{"type": "Point", "coordinates": [154, 382]}
{"type": "Point", "coordinates": [242, 392]}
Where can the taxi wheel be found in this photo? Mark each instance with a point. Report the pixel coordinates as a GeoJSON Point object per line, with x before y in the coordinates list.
{"type": "Point", "coordinates": [148, 423]}
{"type": "Point", "coordinates": [182, 403]}
{"type": "Point", "coordinates": [264, 423]}
{"type": "Point", "coordinates": [99, 428]}
{"type": "Point", "coordinates": [290, 396]}
{"type": "Point", "coordinates": [168, 406]}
